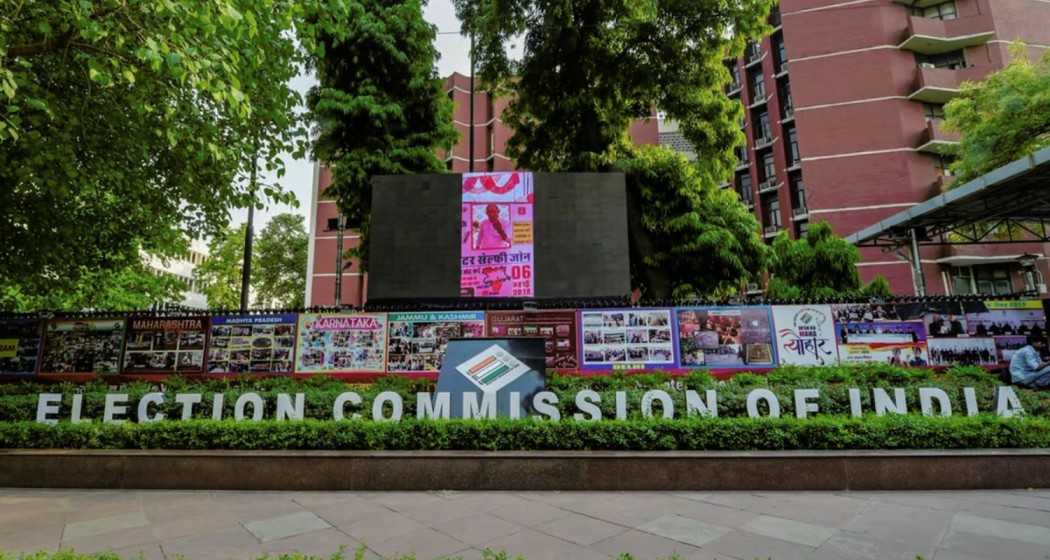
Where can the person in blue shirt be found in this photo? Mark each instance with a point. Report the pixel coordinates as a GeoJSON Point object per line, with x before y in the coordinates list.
{"type": "Point", "coordinates": [1027, 367]}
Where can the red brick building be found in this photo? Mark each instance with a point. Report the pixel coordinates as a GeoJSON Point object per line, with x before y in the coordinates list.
{"type": "Point", "coordinates": [844, 102]}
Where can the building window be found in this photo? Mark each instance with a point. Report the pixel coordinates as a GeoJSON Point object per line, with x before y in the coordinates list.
{"type": "Point", "coordinates": [798, 192]}
{"type": "Point", "coordinates": [769, 170]}
{"type": "Point", "coordinates": [989, 279]}
{"type": "Point", "coordinates": [744, 188]}
{"type": "Point", "coordinates": [933, 111]}
{"type": "Point", "coordinates": [944, 10]}
{"type": "Point", "coordinates": [787, 106]}
{"type": "Point", "coordinates": [741, 156]}
{"type": "Point", "coordinates": [734, 73]}
{"type": "Point", "coordinates": [953, 60]}
{"type": "Point", "coordinates": [801, 229]}
{"type": "Point", "coordinates": [764, 131]}
{"type": "Point", "coordinates": [754, 51]}
{"type": "Point", "coordinates": [774, 16]}
{"type": "Point", "coordinates": [771, 208]}
{"type": "Point", "coordinates": [792, 147]}
{"type": "Point", "coordinates": [781, 53]}
{"type": "Point", "coordinates": [758, 86]}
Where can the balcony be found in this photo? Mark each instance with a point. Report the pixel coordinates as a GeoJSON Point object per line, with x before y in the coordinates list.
{"type": "Point", "coordinates": [936, 140]}
{"type": "Point", "coordinates": [763, 142]}
{"type": "Point", "coordinates": [743, 166]}
{"type": "Point", "coordinates": [789, 115]}
{"type": "Point", "coordinates": [734, 90]}
{"type": "Point", "coordinates": [769, 185]}
{"type": "Point", "coordinates": [796, 165]}
{"type": "Point", "coordinates": [782, 70]}
{"type": "Point", "coordinates": [799, 214]}
{"type": "Point", "coordinates": [754, 58]}
{"type": "Point", "coordinates": [724, 185]}
{"type": "Point", "coordinates": [749, 203]}
{"type": "Point", "coordinates": [760, 99]}
{"type": "Point", "coordinates": [941, 85]}
{"type": "Point", "coordinates": [935, 36]}
{"type": "Point", "coordinates": [770, 231]}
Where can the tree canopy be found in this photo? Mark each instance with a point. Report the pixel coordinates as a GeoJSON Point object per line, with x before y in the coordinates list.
{"type": "Point", "coordinates": [379, 107]}
{"type": "Point", "coordinates": [220, 273]}
{"type": "Point", "coordinates": [126, 124]}
{"type": "Point", "coordinates": [819, 265]}
{"type": "Point", "coordinates": [279, 262]}
{"type": "Point", "coordinates": [1002, 118]}
{"type": "Point", "coordinates": [688, 238]}
{"type": "Point", "coordinates": [591, 66]}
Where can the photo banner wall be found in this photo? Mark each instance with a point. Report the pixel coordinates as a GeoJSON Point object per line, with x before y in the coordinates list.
{"type": "Point", "coordinates": [496, 235]}
{"type": "Point", "coordinates": [557, 328]}
{"type": "Point", "coordinates": [341, 343]}
{"type": "Point", "coordinates": [899, 343]}
{"type": "Point", "coordinates": [417, 341]}
{"type": "Point", "coordinates": [259, 344]}
{"type": "Point", "coordinates": [805, 335]}
{"type": "Point", "coordinates": [83, 347]}
{"type": "Point", "coordinates": [1008, 323]}
{"type": "Point", "coordinates": [165, 345]}
{"type": "Point", "coordinates": [725, 337]}
{"type": "Point", "coordinates": [20, 342]}
{"type": "Point", "coordinates": [626, 339]}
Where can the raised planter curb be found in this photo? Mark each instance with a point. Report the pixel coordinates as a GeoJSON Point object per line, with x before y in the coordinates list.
{"type": "Point", "coordinates": [527, 470]}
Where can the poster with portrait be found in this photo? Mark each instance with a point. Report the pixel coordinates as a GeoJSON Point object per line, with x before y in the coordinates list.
{"type": "Point", "coordinates": [496, 235]}
{"type": "Point", "coordinates": [899, 343]}
{"type": "Point", "coordinates": [164, 345]}
{"type": "Point", "coordinates": [626, 338]}
{"type": "Point", "coordinates": [725, 337]}
{"type": "Point", "coordinates": [557, 328]}
{"type": "Point", "coordinates": [805, 335]}
{"type": "Point", "coordinates": [252, 344]}
{"type": "Point", "coordinates": [20, 341]}
{"type": "Point", "coordinates": [83, 347]}
{"type": "Point", "coordinates": [963, 351]}
{"type": "Point", "coordinates": [341, 343]}
{"type": "Point", "coordinates": [418, 340]}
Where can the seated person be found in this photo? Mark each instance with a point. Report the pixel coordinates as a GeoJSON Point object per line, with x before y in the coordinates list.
{"type": "Point", "coordinates": [1027, 367]}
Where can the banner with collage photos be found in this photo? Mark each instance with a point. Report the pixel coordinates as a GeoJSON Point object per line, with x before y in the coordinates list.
{"type": "Point", "coordinates": [417, 341]}
{"type": "Point", "coordinates": [639, 338]}
{"type": "Point", "coordinates": [165, 345]}
{"type": "Point", "coordinates": [725, 337]}
{"type": "Point", "coordinates": [556, 327]}
{"type": "Point", "coordinates": [82, 347]}
{"type": "Point", "coordinates": [20, 343]}
{"type": "Point", "coordinates": [255, 344]}
{"type": "Point", "coordinates": [341, 343]}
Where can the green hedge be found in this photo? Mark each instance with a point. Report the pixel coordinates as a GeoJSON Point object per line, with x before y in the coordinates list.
{"type": "Point", "coordinates": [18, 401]}
{"type": "Point", "coordinates": [827, 432]}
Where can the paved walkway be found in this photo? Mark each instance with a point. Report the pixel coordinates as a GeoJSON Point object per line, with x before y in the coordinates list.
{"type": "Point", "coordinates": [538, 525]}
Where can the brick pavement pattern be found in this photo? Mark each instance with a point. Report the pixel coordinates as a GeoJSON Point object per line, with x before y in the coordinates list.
{"type": "Point", "coordinates": [946, 525]}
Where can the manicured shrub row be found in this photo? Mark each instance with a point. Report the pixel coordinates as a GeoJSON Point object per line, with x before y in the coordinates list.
{"type": "Point", "coordinates": [18, 402]}
{"type": "Point", "coordinates": [890, 432]}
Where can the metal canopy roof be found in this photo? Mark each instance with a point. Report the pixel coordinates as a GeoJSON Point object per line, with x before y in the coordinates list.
{"type": "Point", "coordinates": [1016, 194]}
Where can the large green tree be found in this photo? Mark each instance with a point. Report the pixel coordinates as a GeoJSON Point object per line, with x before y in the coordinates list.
{"type": "Point", "coordinates": [1002, 118]}
{"type": "Point", "coordinates": [819, 265]}
{"type": "Point", "coordinates": [125, 124]}
{"type": "Point", "coordinates": [379, 107]}
{"type": "Point", "coordinates": [129, 288]}
{"type": "Point", "coordinates": [591, 66]}
{"type": "Point", "coordinates": [220, 273]}
{"type": "Point", "coordinates": [689, 238]}
{"type": "Point", "coordinates": [279, 262]}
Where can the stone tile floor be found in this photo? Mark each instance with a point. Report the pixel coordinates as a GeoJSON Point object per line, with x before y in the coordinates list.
{"type": "Point", "coordinates": [539, 525]}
